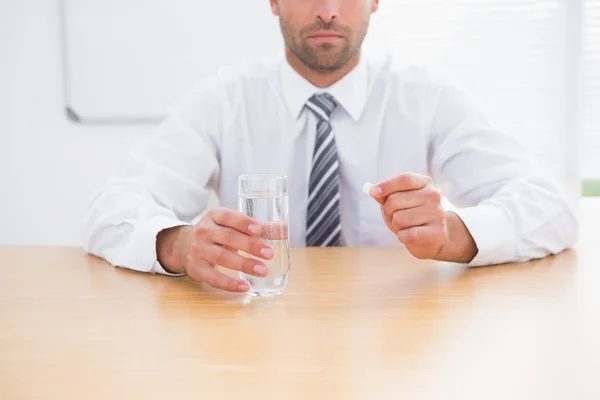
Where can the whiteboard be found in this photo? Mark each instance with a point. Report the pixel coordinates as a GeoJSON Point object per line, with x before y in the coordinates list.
{"type": "Point", "coordinates": [129, 60]}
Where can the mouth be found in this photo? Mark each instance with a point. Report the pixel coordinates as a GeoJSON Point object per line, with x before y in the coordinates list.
{"type": "Point", "coordinates": [325, 37]}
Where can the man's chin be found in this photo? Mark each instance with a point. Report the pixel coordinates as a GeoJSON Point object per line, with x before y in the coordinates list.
{"type": "Point", "coordinates": [330, 63]}
{"type": "Point", "coordinates": [329, 60]}
{"type": "Point", "coordinates": [323, 58]}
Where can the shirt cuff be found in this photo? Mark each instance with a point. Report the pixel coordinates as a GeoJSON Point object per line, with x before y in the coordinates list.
{"type": "Point", "coordinates": [492, 231]}
{"type": "Point", "coordinates": [158, 269]}
{"type": "Point", "coordinates": [143, 244]}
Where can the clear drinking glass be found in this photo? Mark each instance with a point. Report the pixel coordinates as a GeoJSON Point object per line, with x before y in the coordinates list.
{"type": "Point", "coordinates": [265, 198]}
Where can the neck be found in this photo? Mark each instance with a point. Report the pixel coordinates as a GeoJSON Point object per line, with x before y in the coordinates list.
{"type": "Point", "coordinates": [320, 79]}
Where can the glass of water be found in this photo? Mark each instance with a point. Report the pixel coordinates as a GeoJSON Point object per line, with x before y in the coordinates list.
{"type": "Point", "coordinates": [265, 198]}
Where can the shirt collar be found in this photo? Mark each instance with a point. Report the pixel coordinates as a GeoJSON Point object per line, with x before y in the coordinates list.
{"type": "Point", "coordinates": [350, 92]}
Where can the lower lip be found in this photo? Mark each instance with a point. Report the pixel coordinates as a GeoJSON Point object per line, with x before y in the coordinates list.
{"type": "Point", "coordinates": [326, 39]}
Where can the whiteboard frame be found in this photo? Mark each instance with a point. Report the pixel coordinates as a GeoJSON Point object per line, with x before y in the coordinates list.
{"type": "Point", "coordinates": [70, 111]}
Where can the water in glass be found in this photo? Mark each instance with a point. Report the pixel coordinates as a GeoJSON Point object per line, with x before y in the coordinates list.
{"type": "Point", "coordinates": [271, 210]}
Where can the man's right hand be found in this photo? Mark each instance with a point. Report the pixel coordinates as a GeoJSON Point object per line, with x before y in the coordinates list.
{"type": "Point", "coordinates": [215, 240]}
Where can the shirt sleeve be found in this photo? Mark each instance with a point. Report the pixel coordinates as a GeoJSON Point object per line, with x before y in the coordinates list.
{"type": "Point", "coordinates": [512, 207]}
{"type": "Point", "coordinates": [165, 182]}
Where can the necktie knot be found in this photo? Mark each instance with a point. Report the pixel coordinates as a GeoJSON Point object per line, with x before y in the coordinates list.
{"type": "Point", "coordinates": [322, 105]}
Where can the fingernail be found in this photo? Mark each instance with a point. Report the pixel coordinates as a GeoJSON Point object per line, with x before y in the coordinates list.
{"type": "Point", "coordinates": [267, 253]}
{"type": "Point", "coordinates": [260, 269]}
{"type": "Point", "coordinates": [254, 229]}
{"type": "Point", "coordinates": [376, 191]}
{"type": "Point", "coordinates": [244, 287]}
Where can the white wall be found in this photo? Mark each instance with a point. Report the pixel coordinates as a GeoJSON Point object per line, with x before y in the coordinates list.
{"type": "Point", "coordinates": [49, 167]}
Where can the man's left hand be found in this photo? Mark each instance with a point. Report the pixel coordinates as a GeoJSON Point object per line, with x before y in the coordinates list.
{"type": "Point", "coordinates": [411, 208]}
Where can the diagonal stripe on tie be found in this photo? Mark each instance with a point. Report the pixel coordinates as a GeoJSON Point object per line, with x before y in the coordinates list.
{"type": "Point", "coordinates": [317, 237]}
{"type": "Point", "coordinates": [321, 127]}
{"type": "Point", "coordinates": [323, 137]}
{"type": "Point", "coordinates": [324, 229]}
{"type": "Point", "coordinates": [322, 146]}
{"type": "Point", "coordinates": [324, 103]}
{"type": "Point", "coordinates": [324, 159]}
{"type": "Point", "coordinates": [324, 174]}
{"type": "Point", "coordinates": [333, 239]}
{"type": "Point", "coordinates": [316, 207]}
{"type": "Point", "coordinates": [322, 201]}
{"type": "Point", "coordinates": [318, 111]}
{"type": "Point", "coordinates": [319, 218]}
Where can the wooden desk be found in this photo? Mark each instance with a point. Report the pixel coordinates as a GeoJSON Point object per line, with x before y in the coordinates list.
{"type": "Point", "coordinates": [353, 324]}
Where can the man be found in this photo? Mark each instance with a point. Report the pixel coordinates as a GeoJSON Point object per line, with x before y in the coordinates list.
{"type": "Point", "coordinates": [331, 119]}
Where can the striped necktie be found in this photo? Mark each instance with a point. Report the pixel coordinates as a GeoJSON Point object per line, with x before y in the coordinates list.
{"type": "Point", "coordinates": [323, 224]}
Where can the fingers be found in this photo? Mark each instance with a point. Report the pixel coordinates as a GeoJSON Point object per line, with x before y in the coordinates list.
{"type": "Point", "coordinates": [207, 273]}
{"type": "Point", "coordinates": [236, 240]}
{"type": "Point", "coordinates": [218, 238]}
{"type": "Point", "coordinates": [418, 216]}
{"type": "Point", "coordinates": [399, 183]}
{"type": "Point", "coordinates": [404, 201]}
{"type": "Point", "coordinates": [428, 197]}
{"type": "Point", "coordinates": [422, 235]}
{"type": "Point", "coordinates": [218, 255]}
{"type": "Point", "coordinates": [234, 219]}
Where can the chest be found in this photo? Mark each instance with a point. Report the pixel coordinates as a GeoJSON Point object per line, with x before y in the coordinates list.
{"type": "Point", "coordinates": [377, 147]}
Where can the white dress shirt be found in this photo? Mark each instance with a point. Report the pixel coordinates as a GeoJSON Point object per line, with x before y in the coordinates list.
{"type": "Point", "coordinates": [251, 118]}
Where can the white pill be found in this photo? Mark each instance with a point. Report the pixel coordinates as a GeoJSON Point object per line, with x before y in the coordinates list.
{"type": "Point", "coordinates": [367, 187]}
